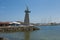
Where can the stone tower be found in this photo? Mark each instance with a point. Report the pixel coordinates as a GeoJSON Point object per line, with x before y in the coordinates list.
{"type": "Point", "coordinates": [26, 20]}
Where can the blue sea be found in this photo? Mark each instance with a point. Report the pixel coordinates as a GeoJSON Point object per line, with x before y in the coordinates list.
{"type": "Point", "coordinates": [45, 33]}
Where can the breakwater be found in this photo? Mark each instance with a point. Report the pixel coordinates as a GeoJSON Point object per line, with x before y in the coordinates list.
{"type": "Point", "coordinates": [16, 29]}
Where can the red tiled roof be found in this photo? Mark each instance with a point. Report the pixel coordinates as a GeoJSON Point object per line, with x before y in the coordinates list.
{"type": "Point", "coordinates": [4, 22]}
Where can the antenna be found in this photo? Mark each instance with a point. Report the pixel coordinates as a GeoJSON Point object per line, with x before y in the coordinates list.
{"type": "Point", "coordinates": [27, 3]}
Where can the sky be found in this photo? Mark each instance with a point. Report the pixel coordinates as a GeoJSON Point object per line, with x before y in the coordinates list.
{"type": "Point", "coordinates": [42, 11]}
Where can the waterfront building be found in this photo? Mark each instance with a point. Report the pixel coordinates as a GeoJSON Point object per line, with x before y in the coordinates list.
{"type": "Point", "coordinates": [14, 24]}
{"type": "Point", "coordinates": [9, 24]}
{"type": "Point", "coordinates": [3, 24]}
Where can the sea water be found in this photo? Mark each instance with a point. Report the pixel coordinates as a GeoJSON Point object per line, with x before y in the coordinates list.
{"type": "Point", "coordinates": [45, 33]}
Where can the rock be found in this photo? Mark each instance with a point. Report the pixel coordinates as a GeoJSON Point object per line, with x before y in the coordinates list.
{"type": "Point", "coordinates": [1, 38]}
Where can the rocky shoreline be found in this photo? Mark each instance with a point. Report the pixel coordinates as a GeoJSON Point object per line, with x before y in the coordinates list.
{"type": "Point", "coordinates": [17, 29]}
